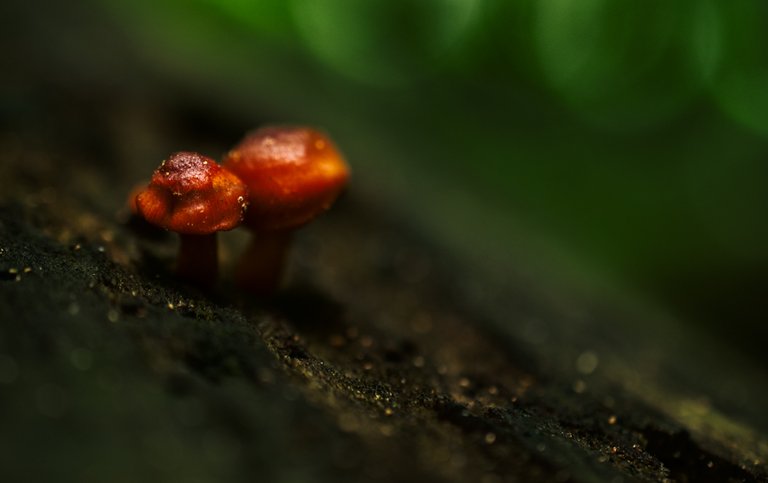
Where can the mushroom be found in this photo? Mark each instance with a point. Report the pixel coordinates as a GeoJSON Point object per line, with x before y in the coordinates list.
{"type": "Point", "coordinates": [293, 174]}
{"type": "Point", "coordinates": [193, 196]}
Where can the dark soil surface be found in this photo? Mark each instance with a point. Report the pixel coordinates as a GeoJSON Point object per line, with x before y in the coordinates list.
{"type": "Point", "coordinates": [383, 359]}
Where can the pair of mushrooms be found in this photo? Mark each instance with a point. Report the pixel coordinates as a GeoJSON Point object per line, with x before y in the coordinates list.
{"type": "Point", "coordinates": [274, 181]}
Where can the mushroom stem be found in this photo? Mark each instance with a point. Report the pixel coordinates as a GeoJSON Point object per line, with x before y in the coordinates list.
{"type": "Point", "coordinates": [260, 269]}
{"type": "Point", "coordinates": [198, 260]}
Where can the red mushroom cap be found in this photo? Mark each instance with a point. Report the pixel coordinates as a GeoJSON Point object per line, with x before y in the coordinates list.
{"type": "Point", "coordinates": [192, 195]}
{"type": "Point", "coordinates": [293, 174]}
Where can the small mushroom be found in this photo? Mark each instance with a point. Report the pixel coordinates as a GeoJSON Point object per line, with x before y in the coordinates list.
{"type": "Point", "coordinates": [193, 196]}
{"type": "Point", "coordinates": [293, 174]}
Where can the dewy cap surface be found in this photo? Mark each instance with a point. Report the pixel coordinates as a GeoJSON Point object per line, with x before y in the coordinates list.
{"type": "Point", "coordinates": [191, 194]}
{"type": "Point", "coordinates": [293, 174]}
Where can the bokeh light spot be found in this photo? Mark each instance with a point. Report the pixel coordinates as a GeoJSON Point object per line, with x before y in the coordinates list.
{"type": "Point", "coordinates": [382, 42]}
{"type": "Point", "coordinates": [706, 38]}
{"type": "Point", "coordinates": [740, 87]}
{"type": "Point", "coordinates": [618, 64]}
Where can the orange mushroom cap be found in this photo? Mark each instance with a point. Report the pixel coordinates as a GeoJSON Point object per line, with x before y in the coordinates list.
{"type": "Point", "coordinates": [293, 174]}
{"type": "Point", "coordinates": [192, 195]}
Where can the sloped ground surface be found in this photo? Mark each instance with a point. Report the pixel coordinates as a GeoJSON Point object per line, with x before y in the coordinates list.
{"type": "Point", "coordinates": [378, 362]}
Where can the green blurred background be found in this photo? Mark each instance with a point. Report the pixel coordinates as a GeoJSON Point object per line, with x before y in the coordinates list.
{"type": "Point", "coordinates": [622, 143]}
